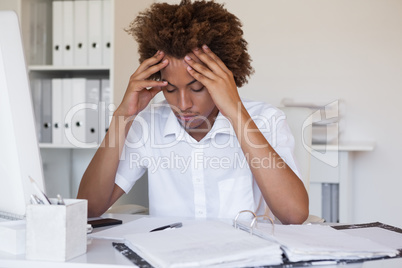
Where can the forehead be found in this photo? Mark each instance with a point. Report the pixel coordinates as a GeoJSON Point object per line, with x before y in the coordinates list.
{"type": "Point", "coordinates": [176, 71]}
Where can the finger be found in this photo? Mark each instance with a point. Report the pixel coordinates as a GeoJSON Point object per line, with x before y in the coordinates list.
{"type": "Point", "coordinates": [209, 61]}
{"type": "Point", "coordinates": [200, 68]}
{"type": "Point", "coordinates": [138, 85]}
{"type": "Point", "coordinates": [150, 62]}
{"type": "Point", "coordinates": [211, 54]}
{"type": "Point", "coordinates": [151, 70]}
{"type": "Point", "coordinates": [206, 81]}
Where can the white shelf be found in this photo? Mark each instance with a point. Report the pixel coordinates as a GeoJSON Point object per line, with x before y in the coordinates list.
{"type": "Point", "coordinates": [47, 68]}
{"type": "Point", "coordinates": [65, 146]}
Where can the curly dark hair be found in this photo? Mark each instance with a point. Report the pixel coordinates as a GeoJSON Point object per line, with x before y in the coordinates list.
{"type": "Point", "coordinates": [177, 29]}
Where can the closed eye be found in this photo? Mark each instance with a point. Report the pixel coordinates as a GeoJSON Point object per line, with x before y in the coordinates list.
{"type": "Point", "coordinates": [169, 90]}
{"type": "Point", "coordinates": [198, 90]}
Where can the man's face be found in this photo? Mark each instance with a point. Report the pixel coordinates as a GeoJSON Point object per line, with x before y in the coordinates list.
{"type": "Point", "coordinates": [189, 99]}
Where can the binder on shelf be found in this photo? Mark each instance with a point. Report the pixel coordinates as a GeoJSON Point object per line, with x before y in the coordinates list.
{"type": "Point", "coordinates": [66, 106]}
{"type": "Point", "coordinates": [57, 19]}
{"type": "Point", "coordinates": [77, 112]}
{"type": "Point", "coordinates": [92, 112]}
{"type": "Point", "coordinates": [68, 33]}
{"type": "Point", "coordinates": [40, 26]}
{"type": "Point", "coordinates": [46, 121]}
{"type": "Point", "coordinates": [105, 112]}
{"type": "Point", "coordinates": [57, 111]}
{"type": "Point", "coordinates": [81, 32]}
{"type": "Point", "coordinates": [94, 32]}
{"type": "Point", "coordinates": [107, 33]}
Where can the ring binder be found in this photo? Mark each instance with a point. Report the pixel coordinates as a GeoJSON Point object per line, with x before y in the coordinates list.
{"type": "Point", "coordinates": [253, 224]}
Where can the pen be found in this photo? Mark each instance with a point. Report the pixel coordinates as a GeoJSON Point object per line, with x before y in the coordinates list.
{"type": "Point", "coordinates": [173, 225]}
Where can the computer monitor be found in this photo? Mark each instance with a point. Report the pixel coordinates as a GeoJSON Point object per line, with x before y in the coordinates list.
{"type": "Point", "coordinates": [19, 150]}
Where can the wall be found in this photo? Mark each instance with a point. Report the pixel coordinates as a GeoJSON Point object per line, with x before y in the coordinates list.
{"type": "Point", "coordinates": [324, 50]}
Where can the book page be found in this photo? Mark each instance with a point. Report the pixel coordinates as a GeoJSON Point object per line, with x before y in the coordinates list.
{"type": "Point", "coordinates": [204, 243]}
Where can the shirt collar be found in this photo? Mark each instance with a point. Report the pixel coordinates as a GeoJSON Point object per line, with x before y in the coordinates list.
{"type": "Point", "coordinates": [221, 126]}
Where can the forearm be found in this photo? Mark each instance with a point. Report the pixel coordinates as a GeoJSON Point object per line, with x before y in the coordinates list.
{"type": "Point", "coordinates": [282, 190]}
{"type": "Point", "coordinates": [97, 183]}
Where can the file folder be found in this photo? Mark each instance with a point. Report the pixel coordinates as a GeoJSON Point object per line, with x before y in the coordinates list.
{"type": "Point", "coordinates": [78, 111]}
{"type": "Point", "coordinates": [81, 32]}
{"type": "Point", "coordinates": [57, 111]}
{"type": "Point", "coordinates": [107, 33]}
{"type": "Point", "coordinates": [46, 130]}
{"type": "Point", "coordinates": [92, 113]}
{"type": "Point", "coordinates": [68, 33]}
{"type": "Point", "coordinates": [95, 32]}
{"type": "Point", "coordinates": [106, 113]}
{"type": "Point", "coordinates": [57, 19]}
{"type": "Point", "coordinates": [66, 104]}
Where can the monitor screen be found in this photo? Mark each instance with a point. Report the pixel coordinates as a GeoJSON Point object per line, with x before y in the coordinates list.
{"type": "Point", "coordinates": [19, 151]}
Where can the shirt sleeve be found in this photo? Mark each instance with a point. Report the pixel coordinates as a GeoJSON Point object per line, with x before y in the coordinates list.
{"type": "Point", "coordinates": [132, 163]}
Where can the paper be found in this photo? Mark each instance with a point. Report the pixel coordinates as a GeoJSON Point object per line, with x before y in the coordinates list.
{"type": "Point", "coordinates": [204, 243]}
{"type": "Point", "coordinates": [317, 242]}
{"type": "Point", "coordinates": [142, 225]}
{"type": "Point", "coordinates": [382, 236]}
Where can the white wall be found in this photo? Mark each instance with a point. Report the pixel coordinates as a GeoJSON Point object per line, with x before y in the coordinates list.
{"type": "Point", "coordinates": [324, 50]}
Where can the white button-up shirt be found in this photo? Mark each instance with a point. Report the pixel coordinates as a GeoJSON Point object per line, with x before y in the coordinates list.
{"type": "Point", "coordinates": [209, 178]}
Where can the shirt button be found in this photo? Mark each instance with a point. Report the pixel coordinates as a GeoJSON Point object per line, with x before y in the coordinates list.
{"type": "Point", "coordinates": [200, 212]}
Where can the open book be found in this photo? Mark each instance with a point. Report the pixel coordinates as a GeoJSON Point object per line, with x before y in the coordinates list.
{"type": "Point", "coordinates": [203, 243]}
{"type": "Point", "coordinates": [317, 242]}
{"type": "Point", "coordinates": [200, 243]}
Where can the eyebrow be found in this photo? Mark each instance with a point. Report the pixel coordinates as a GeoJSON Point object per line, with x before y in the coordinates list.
{"type": "Point", "coordinates": [192, 82]}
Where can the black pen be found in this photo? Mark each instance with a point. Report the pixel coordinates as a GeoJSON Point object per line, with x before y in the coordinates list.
{"type": "Point", "coordinates": [173, 225]}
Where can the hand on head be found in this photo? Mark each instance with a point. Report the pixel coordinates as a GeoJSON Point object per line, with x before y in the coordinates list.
{"type": "Point", "coordinates": [140, 89]}
{"type": "Point", "coordinates": [208, 68]}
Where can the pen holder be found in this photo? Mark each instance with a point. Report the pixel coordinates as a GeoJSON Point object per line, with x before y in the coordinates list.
{"type": "Point", "coordinates": [56, 232]}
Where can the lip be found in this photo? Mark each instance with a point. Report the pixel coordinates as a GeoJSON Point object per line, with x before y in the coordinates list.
{"type": "Point", "coordinates": [186, 117]}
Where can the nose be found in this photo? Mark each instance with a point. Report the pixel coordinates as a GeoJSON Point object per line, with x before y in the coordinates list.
{"type": "Point", "coordinates": [185, 103]}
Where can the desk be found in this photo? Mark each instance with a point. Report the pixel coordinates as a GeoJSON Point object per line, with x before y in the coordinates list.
{"type": "Point", "coordinates": [101, 254]}
{"type": "Point", "coordinates": [333, 165]}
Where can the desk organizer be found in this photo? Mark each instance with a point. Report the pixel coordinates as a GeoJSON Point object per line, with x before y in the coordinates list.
{"type": "Point", "coordinates": [56, 232]}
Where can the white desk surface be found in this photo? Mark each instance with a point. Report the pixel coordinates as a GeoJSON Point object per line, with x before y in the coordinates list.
{"type": "Point", "coordinates": [101, 254]}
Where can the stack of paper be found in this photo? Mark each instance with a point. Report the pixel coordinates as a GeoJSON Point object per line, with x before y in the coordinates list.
{"type": "Point", "coordinates": [320, 242]}
{"type": "Point", "coordinates": [204, 243]}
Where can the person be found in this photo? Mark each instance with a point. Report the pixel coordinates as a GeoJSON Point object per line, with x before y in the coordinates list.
{"type": "Point", "coordinates": [208, 152]}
